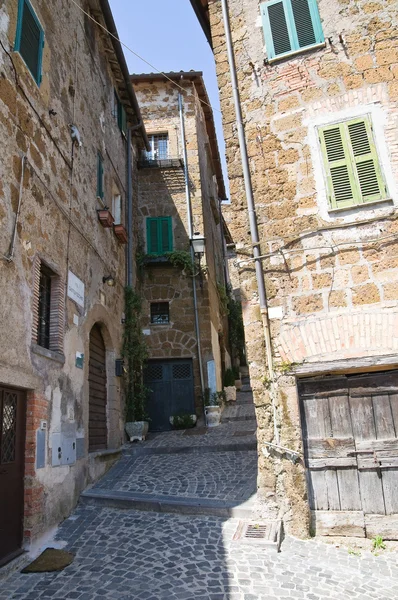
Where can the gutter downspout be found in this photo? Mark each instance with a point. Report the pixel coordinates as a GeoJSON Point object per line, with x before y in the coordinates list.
{"type": "Point", "coordinates": [190, 233]}
{"type": "Point", "coordinates": [129, 278]}
{"type": "Point", "coordinates": [251, 210]}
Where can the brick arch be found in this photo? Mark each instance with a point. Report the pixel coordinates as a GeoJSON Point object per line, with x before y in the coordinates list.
{"type": "Point", "coordinates": [171, 342]}
{"type": "Point", "coordinates": [339, 336]}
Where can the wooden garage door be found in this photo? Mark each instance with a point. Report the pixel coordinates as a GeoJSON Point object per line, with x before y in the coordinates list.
{"type": "Point", "coordinates": [97, 427]}
{"type": "Point", "coordinates": [351, 450]}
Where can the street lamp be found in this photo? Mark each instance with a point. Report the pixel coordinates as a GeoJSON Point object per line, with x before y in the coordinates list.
{"type": "Point", "coordinates": [198, 243]}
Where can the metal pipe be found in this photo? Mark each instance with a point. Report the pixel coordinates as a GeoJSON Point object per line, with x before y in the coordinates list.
{"type": "Point", "coordinates": [10, 256]}
{"type": "Point", "coordinates": [129, 213]}
{"type": "Point", "coordinates": [190, 233]}
{"type": "Point", "coordinates": [251, 208]}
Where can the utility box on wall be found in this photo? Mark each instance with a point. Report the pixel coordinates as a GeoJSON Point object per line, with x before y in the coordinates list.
{"type": "Point", "coordinates": [63, 449]}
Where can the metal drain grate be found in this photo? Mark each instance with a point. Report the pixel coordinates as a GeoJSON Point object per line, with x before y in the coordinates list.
{"type": "Point", "coordinates": [266, 534]}
{"type": "Point", "coordinates": [256, 532]}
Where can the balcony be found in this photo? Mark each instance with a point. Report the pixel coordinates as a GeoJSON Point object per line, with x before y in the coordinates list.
{"type": "Point", "coordinates": [159, 160]}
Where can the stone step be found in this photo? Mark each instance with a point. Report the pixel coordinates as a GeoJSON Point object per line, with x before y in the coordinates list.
{"type": "Point", "coordinates": [168, 504]}
{"type": "Point", "coordinates": [238, 418]}
{"type": "Point", "coordinates": [231, 447]}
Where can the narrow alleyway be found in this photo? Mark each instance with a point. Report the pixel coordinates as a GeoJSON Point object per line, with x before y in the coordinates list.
{"type": "Point", "coordinates": [161, 525]}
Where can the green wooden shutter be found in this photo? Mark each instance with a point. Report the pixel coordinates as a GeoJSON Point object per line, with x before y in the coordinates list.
{"type": "Point", "coordinates": [351, 163]}
{"type": "Point", "coordinates": [100, 176]}
{"type": "Point", "coordinates": [29, 41]}
{"type": "Point", "coordinates": [338, 166]}
{"type": "Point", "coordinates": [166, 234]}
{"type": "Point", "coordinates": [366, 161]}
{"type": "Point", "coordinates": [290, 25]}
{"type": "Point", "coordinates": [123, 127]}
{"type": "Point", "coordinates": [152, 236]}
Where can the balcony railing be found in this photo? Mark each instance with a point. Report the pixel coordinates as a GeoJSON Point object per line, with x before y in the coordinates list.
{"type": "Point", "coordinates": [159, 160]}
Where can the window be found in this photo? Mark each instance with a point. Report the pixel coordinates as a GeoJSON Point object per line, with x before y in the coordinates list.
{"type": "Point", "coordinates": [290, 25]}
{"type": "Point", "coordinates": [117, 209]}
{"type": "Point", "coordinates": [159, 146]}
{"type": "Point", "coordinates": [159, 235]}
{"type": "Point", "coordinates": [160, 313]}
{"type": "Point", "coordinates": [100, 176]}
{"type": "Point", "coordinates": [119, 113]}
{"type": "Point", "coordinates": [351, 163]}
{"type": "Point", "coordinates": [29, 40]}
{"type": "Point", "coordinates": [48, 308]}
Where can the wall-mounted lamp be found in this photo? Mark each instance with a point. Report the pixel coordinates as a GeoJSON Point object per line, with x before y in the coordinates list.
{"type": "Point", "coordinates": [109, 280]}
{"type": "Point", "coordinates": [198, 243]}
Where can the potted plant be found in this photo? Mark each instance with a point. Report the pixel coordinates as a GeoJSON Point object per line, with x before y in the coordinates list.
{"type": "Point", "coordinates": [183, 421]}
{"type": "Point", "coordinates": [238, 381]}
{"type": "Point", "coordinates": [229, 385]}
{"type": "Point", "coordinates": [120, 232]}
{"type": "Point", "coordinates": [134, 355]}
{"type": "Point", "coordinates": [105, 217]}
{"type": "Point", "coordinates": [213, 404]}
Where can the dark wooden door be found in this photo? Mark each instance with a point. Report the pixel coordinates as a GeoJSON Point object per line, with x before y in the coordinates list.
{"type": "Point", "coordinates": [12, 442]}
{"type": "Point", "coordinates": [97, 424]}
{"type": "Point", "coordinates": [171, 391]}
{"type": "Point", "coordinates": [350, 427]}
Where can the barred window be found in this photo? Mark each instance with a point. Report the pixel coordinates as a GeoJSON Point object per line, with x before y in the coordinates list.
{"type": "Point", "coordinates": [160, 313]}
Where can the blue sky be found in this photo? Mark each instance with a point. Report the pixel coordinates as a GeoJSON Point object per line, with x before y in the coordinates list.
{"type": "Point", "coordinates": [168, 35]}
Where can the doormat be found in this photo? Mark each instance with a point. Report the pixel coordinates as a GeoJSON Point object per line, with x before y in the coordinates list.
{"type": "Point", "coordinates": [50, 560]}
{"type": "Point", "coordinates": [195, 431]}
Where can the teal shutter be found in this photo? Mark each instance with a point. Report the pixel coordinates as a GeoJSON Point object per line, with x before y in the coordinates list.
{"type": "Point", "coordinates": [29, 41]}
{"type": "Point", "coordinates": [351, 163]}
{"type": "Point", "coordinates": [290, 25]}
{"type": "Point", "coordinates": [123, 127]}
{"type": "Point", "coordinates": [100, 176]}
{"type": "Point", "coordinates": [159, 235]}
{"type": "Point", "coordinates": [152, 236]}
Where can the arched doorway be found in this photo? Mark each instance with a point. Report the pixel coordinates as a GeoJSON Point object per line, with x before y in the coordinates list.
{"type": "Point", "coordinates": [97, 420]}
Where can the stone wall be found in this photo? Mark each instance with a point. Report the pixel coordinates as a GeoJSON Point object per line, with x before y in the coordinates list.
{"type": "Point", "coordinates": [162, 193]}
{"type": "Point", "coordinates": [58, 226]}
{"type": "Point", "coordinates": [331, 277]}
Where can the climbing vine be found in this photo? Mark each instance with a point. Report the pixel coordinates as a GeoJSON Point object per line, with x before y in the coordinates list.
{"type": "Point", "coordinates": [135, 354]}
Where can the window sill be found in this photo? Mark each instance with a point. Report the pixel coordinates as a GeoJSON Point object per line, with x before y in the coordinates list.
{"type": "Point", "coordinates": [290, 55]}
{"type": "Point", "coordinates": [363, 206]}
{"type": "Point", "coordinates": [51, 354]}
{"type": "Point", "coordinates": [165, 325]}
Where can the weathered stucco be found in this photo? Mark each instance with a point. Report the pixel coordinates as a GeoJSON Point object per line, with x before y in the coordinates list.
{"type": "Point", "coordinates": [58, 224]}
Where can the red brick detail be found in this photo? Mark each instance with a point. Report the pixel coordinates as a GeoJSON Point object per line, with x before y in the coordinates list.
{"type": "Point", "coordinates": [36, 411]}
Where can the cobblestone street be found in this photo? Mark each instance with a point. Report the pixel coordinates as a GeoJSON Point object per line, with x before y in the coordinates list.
{"type": "Point", "coordinates": [153, 554]}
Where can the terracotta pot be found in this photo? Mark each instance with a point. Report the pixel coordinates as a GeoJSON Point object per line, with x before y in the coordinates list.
{"type": "Point", "coordinates": [105, 217]}
{"type": "Point", "coordinates": [137, 430]}
{"type": "Point", "coordinates": [121, 233]}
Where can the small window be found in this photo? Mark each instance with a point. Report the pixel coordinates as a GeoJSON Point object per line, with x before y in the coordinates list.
{"type": "Point", "coordinates": [290, 26]}
{"type": "Point", "coordinates": [119, 113]}
{"type": "Point", "coordinates": [159, 235]}
{"type": "Point", "coordinates": [48, 308]}
{"type": "Point", "coordinates": [160, 313]}
{"type": "Point", "coordinates": [159, 147]}
{"type": "Point", "coordinates": [117, 209]}
{"type": "Point", "coordinates": [100, 176]}
{"type": "Point", "coordinates": [351, 163]}
{"type": "Point", "coordinates": [29, 40]}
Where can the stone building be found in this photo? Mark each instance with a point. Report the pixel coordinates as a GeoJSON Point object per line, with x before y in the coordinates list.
{"type": "Point", "coordinates": [318, 85]}
{"type": "Point", "coordinates": [179, 369]}
{"type": "Point", "coordinates": [65, 104]}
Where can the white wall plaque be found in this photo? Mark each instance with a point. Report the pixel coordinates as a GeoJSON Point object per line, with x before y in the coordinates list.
{"type": "Point", "coordinates": [75, 289]}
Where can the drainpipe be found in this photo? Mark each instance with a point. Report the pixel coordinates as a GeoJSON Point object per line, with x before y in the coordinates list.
{"type": "Point", "coordinates": [10, 256]}
{"type": "Point", "coordinates": [129, 213]}
{"type": "Point", "coordinates": [251, 209]}
{"type": "Point", "coordinates": [190, 233]}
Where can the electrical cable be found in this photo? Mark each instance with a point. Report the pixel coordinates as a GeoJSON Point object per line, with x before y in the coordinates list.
{"type": "Point", "coordinates": [138, 56]}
